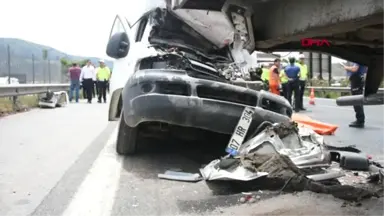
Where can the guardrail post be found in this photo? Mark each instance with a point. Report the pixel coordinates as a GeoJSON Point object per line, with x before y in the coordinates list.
{"type": "Point", "coordinates": [9, 63]}
{"type": "Point", "coordinates": [15, 104]}
{"type": "Point", "coordinates": [320, 66]}
{"type": "Point", "coordinates": [310, 67]}
{"type": "Point", "coordinates": [33, 68]}
{"type": "Point", "coordinates": [49, 71]}
{"type": "Point", "coordinates": [329, 70]}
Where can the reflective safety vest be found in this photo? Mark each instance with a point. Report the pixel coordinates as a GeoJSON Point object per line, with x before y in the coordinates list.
{"type": "Point", "coordinates": [283, 77]}
{"type": "Point", "coordinates": [274, 81]}
{"type": "Point", "coordinates": [265, 74]}
{"type": "Point", "coordinates": [303, 71]}
{"type": "Point", "coordinates": [103, 74]}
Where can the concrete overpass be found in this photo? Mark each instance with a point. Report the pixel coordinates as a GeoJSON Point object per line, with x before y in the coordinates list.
{"type": "Point", "coordinates": [353, 27]}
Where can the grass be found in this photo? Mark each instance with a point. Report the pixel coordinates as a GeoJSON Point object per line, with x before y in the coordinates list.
{"type": "Point", "coordinates": [325, 83]}
{"type": "Point", "coordinates": [27, 101]}
{"type": "Point", "coordinates": [24, 102]}
{"type": "Point", "coordinates": [331, 95]}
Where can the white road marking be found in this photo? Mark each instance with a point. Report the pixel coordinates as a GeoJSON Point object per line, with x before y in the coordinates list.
{"type": "Point", "coordinates": [96, 194]}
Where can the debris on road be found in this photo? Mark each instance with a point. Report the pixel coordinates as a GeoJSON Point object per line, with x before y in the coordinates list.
{"type": "Point", "coordinates": [291, 158]}
{"type": "Point", "coordinates": [317, 126]}
{"type": "Point", "coordinates": [180, 176]}
{"type": "Point", "coordinates": [54, 99]}
{"type": "Point", "coordinates": [248, 197]}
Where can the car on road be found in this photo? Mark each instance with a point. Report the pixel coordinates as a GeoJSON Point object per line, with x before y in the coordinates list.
{"type": "Point", "coordinates": [168, 76]}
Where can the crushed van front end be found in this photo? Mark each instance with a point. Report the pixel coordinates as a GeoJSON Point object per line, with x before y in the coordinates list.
{"type": "Point", "coordinates": [173, 97]}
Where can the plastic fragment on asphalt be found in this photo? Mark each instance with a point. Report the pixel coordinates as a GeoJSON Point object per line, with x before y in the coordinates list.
{"type": "Point", "coordinates": [180, 176]}
{"type": "Point", "coordinates": [353, 161]}
{"type": "Point", "coordinates": [319, 127]}
{"type": "Point", "coordinates": [326, 176]}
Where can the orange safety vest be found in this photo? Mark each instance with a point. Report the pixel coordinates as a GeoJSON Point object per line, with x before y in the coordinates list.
{"type": "Point", "coordinates": [274, 81]}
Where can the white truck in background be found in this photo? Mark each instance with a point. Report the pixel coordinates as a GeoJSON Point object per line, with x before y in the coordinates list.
{"type": "Point", "coordinates": [4, 81]}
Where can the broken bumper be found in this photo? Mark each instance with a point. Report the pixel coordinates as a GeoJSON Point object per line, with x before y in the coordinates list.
{"type": "Point", "coordinates": [174, 97]}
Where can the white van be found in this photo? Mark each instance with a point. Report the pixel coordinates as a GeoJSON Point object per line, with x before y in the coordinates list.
{"type": "Point", "coordinates": [169, 73]}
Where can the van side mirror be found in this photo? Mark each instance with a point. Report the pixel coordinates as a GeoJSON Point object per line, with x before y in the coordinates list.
{"type": "Point", "coordinates": [118, 45]}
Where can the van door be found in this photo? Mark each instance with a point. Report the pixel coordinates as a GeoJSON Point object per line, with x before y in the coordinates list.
{"type": "Point", "coordinates": [120, 70]}
{"type": "Point", "coordinates": [118, 77]}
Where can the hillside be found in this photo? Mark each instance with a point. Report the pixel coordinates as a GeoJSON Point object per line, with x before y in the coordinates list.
{"type": "Point", "coordinates": [25, 49]}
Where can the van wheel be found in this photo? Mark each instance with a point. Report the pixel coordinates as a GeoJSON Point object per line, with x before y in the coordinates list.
{"type": "Point", "coordinates": [126, 138]}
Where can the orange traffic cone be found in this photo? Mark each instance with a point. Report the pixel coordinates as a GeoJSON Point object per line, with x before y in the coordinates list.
{"type": "Point", "coordinates": [312, 97]}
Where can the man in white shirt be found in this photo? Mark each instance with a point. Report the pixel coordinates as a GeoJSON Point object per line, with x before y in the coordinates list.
{"type": "Point", "coordinates": [88, 76]}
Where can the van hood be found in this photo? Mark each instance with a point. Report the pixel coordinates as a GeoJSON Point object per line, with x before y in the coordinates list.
{"type": "Point", "coordinates": [221, 22]}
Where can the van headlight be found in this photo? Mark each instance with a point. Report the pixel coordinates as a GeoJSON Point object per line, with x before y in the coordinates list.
{"type": "Point", "coordinates": [147, 87]}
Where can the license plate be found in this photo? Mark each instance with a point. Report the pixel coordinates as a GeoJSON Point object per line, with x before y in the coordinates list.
{"type": "Point", "coordinates": [240, 131]}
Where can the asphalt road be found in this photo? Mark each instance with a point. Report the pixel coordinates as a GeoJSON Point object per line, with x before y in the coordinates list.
{"type": "Point", "coordinates": [370, 139]}
{"type": "Point", "coordinates": [63, 162]}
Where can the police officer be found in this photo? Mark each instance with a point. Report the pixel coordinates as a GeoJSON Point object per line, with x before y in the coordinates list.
{"type": "Point", "coordinates": [102, 76]}
{"type": "Point", "coordinates": [356, 78]}
{"type": "Point", "coordinates": [284, 83]}
{"type": "Point", "coordinates": [303, 79]}
{"type": "Point", "coordinates": [292, 71]}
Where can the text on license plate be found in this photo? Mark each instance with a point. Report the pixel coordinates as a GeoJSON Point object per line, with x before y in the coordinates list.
{"type": "Point", "coordinates": [240, 132]}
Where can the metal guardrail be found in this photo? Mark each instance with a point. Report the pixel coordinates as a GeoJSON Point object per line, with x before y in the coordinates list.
{"type": "Point", "coordinates": [336, 89]}
{"type": "Point", "coordinates": [26, 89]}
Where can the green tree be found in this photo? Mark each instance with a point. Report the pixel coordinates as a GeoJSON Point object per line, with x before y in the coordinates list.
{"type": "Point", "coordinates": [45, 54]}
{"type": "Point", "coordinates": [82, 62]}
{"type": "Point", "coordinates": [64, 62]}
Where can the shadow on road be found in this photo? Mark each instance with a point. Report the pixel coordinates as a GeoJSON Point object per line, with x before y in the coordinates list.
{"type": "Point", "coordinates": [158, 155]}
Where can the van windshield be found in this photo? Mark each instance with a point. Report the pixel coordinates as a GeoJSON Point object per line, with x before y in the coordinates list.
{"type": "Point", "coordinates": [134, 13]}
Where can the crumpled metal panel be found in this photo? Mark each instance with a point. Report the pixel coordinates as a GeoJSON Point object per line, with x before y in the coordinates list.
{"type": "Point", "coordinates": [302, 145]}
{"type": "Point", "coordinates": [212, 172]}
{"type": "Point", "coordinates": [305, 147]}
{"type": "Point", "coordinates": [211, 24]}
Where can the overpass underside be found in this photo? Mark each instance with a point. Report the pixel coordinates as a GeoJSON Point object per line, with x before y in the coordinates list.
{"type": "Point", "coordinates": [354, 28]}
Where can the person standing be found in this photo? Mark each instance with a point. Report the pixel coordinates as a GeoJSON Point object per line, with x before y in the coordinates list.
{"type": "Point", "coordinates": [303, 80]}
{"type": "Point", "coordinates": [284, 83]}
{"type": "Point", "coordinates": [74, 75]}
{"type": "Point", "coordinates": [82, 84]}
{"type": "Point", "coordinates": [108, 81]}
{"type": "Point", "coordinates": [274, 79]}
{"type": "Point", "coordinates": [95, 90]}
{"type": "Point", "coordinates": [356, 74]}
{"type": "Point", "coordinates": [293, 73]}
{"type": "Point", "coordinates": [88, 76]}
{"type": "Point", "coordinates": [84, 91]}
{"type": "Point", "coordinates": [265, 75]}
{"type": "Point", "coordinates": [102, 76]}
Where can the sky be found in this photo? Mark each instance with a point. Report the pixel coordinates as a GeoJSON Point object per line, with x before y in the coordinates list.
{"type": "Point", "coordinates": [76, 27]}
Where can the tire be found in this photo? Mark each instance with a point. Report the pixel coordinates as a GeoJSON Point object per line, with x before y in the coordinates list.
{"type": "Point", "coordinates": [126, 143]}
